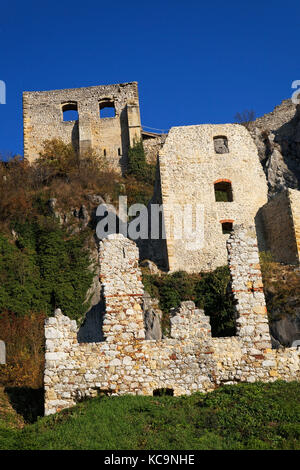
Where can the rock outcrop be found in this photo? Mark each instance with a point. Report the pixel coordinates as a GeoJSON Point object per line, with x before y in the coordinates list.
{"type": "Point", "coordinates": [277, 137]}
{"type": "Point", "coordinates": [152, 318]}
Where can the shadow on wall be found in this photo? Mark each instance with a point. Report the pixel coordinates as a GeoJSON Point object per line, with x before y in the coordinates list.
{"type": "Point", "coordinates": [75, 136]}
{"type": "Point", "coordinates": [27, 402]}
{"type": "Point", "coordinates": [260, 231]}
{"type": "Point", "coordinates": [91, 329]}
{"type": "Point", "coordinates": [124, 139]}
{"type": "Point", "coordinates": [155, 249]}
{"type": "Point", "coordinates": [286, 330]}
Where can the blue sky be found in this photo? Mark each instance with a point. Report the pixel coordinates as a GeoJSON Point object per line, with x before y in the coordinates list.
{"type": "Point", "coordinates": [196, 62]}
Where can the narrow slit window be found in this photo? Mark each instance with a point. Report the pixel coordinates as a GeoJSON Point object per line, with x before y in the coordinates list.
{"type": "Point", "coordinates": [223, 191]}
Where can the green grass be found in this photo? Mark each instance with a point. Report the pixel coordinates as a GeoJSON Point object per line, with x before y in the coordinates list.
{"type": "Point", "coordinates": [10, 422]}
{"type": "Point", "coordinates": [244, 416]}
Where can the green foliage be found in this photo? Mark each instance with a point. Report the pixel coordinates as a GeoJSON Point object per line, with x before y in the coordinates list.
{"type": "Point", "coordinates": [208, 291]}
{"type": "Point", "coordinates": [137, 164]}
{"type": "Point", "coordinates": [43, 270]}
{"type": "Point", "coordinates": [213, 295]}
{"type": "Point", "coordinates": [243, 416]}
{"type": "Point", "coordinates": [221, 196]}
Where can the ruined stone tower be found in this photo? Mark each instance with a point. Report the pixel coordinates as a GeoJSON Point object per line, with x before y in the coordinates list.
{"type": "Point", "coordinates": [214, 171]}
{"type": "Point", "coordinates": [105, 118]}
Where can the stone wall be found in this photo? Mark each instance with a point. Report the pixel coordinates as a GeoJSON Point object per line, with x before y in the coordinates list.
{"type": "Point", "coordinates": [294, 196]}
{"type": "Point", "coordinates": [190, 360]}
{"type": "Point", "coordinates": [191, 162]}
{"type": "Point", "coordinates": [152, 145]}
{"type": "Point", "coordinates": [110, 137]}
{"type": "Point", "coordinates": [281, 220]}
{"type": "Point", "coordinates": [247, 288]}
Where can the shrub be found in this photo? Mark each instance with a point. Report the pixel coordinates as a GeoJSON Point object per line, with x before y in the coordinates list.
{"type": "Point", "coordinates": [281, 288]}
{"type": "Point", "coordinates": [245, 118]}
{"type": "Point", "coordinates": [213, 295]}
{"type": "Point", "coordinates": [137, 164]}
{"type": "Point", "coordinates": [44, 269]}
{"type": "Point", "coordinates": [209, 291]}
{"type": "Point", "coordinates": [58, 159]}
{"type": "Point", "coordinates": [24, 339]}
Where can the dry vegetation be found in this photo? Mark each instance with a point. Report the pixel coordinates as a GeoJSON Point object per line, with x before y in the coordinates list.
{"type": "Point", "coordinates": [24, 194]}
{"type": "Point", "coordinates": [281, 287]}
{"type": "Point", "coordinates": [24, 339]}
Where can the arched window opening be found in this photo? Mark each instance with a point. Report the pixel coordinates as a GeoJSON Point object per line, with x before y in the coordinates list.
{"type": "Point", "coordinates": [107, 109]}
{"type": "Point", "coordinates": [227, 226]}
{"type": "Point", "coordinates": [70, 111]}
{"type": "Point", "coordinates": [223, 191]}
{"type": "Point", "coordinates": [221, 144]}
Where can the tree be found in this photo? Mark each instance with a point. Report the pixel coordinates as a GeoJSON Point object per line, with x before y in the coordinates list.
{"type": "Point", "coordinates": [245, 117]}
{"type": "Point", "coordinates": [44, 269]}
{"type": "Point", "coordinates": [137, 164]}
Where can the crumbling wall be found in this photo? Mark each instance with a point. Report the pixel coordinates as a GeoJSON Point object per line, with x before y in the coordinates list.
{"type": "Point", "coordinates": [281, 219]}
{"type": "Point", "coordinates": [109, 137]}
{"type": "Point", "coordinates": [152, 146]}
{"type": "Point", "coordinates": [190, 360]}
{"type": "Point", "coordinates": [247, 288]}
{"type": "Point", "coordinates": [191, 164]}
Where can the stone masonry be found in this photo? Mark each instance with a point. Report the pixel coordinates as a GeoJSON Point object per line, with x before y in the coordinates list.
{"type": "Point", "coordinates": [281, 221]}
{"type": "Point", "coordinates": [110, 137]}
{"type": "Point", "coordinates": [196, 164]}
{"type": "Point", "coordinates": [190, 360]}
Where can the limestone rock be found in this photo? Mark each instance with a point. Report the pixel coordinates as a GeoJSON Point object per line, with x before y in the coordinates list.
{"type": "Point", "coordinates": [152, 317]}
{"type": "Point", "coordinates": [277, 137]}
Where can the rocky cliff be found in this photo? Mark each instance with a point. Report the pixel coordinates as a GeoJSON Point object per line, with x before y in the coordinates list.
{"type": "Point", "coordinates": [277, 136]}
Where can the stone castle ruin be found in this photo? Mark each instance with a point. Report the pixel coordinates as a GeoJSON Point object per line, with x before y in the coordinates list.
{"type": "Point", "coordinates": [47, 115]}
{"type": "Point", "coordinates": [190, 360]}
{"type": "Point", "coordinates": [216, 171]}
{"type": "Point", "coordinates": [214, 167]}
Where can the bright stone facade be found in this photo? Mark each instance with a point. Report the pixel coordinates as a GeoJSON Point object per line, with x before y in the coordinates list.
{"type": "Point", "coordinates": [110, 137]}
{"type": "Point", "coordinates": [194, 159]}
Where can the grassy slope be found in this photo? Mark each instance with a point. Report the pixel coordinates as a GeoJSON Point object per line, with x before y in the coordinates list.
{"type": "Point", "coordinates": [244, 416]}
{"type": "Point", "coordinates": [10, 422]}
